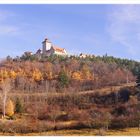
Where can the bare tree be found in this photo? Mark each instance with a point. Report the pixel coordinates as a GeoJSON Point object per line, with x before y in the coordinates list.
{"type": "Point", "coordinates": [5, 89]}
{"type": "Point", "coordinates": [47, 84]}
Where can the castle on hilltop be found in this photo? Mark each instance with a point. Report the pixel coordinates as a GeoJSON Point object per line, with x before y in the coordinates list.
{"type": "Point", "coordinates": [49, 49]}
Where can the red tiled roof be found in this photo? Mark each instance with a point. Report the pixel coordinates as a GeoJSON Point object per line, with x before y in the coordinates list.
{"type": "Point", "coordinates": [58, 49]}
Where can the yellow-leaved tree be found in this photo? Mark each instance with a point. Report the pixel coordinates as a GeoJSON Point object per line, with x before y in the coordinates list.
{"type": "Point", "coordinates": [86, 74]}
{"type": "Point", "coordinates": [48, 71]}
{"type": "Point", "coordinates": [37, 75]}
{"type": "Point", "coordinates": [76, 75]}
{"type": "Point", "coordinates": [12, 74]}
{"type": "Point", "coordinates": [4, 74]}
{"type": "Point", "coordinates": [10, 108]}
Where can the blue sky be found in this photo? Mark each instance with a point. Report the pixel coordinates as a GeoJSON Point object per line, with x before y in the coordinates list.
{"type": "Point", "coordinates": [91, 29]}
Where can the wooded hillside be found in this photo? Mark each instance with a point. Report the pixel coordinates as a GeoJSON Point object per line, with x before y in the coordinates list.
{"type": "Point", "coordinates": [25, 81]}
{"type": "Point", "coordinates": [57, 73]}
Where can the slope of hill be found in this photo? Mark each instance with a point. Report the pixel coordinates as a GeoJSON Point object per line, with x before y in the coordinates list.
{"type": "Point", "coordinates": [57, 93]}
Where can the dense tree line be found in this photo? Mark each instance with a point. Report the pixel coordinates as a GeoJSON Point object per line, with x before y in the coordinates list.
{"type": "Point", "coordinates": [132, 65]}
{"type": "Point", "coordinates": [57, 73]}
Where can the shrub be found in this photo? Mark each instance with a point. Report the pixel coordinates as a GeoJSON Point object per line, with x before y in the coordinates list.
{"type": "Point", "coordinates": [18, 106]}
{"type": "Point", "coordinates": [124, 94]}
{"type": "Point", "coordinates": [12, 117]}
{"type": "Point", "coordinates": [10, 108]}
{"type": "Point", "coordinates": [63, 79]}
{"type": "Point", "coordinates": [101, 132]}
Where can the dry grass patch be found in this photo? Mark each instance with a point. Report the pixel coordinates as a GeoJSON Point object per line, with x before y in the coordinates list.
{"type": "Point", "coordinates": [88, 132]}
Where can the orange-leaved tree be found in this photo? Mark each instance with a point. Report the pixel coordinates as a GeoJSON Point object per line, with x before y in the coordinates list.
{"type": "Point", "coordinates": [77, 75]}
{"type": "Point", "coordinates": [37, 75]}
{"type": "Point", "coordinates": [10, 108]}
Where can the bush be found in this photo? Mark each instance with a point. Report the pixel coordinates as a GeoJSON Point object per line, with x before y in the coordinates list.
{"type": "Point", "coordinates": [10, 108]}
{"type": "Point", "coordinates": [124, 94]}
{"type": "Point", "coordinates": [101, 132]}
{"type": "Point", "coordinates": [124, 122]}
{"type": "Point", "coordinates": [12, 117]}
{"type": "Point", "coordinates": [120, 110]}
{"type": "Point", "coordinates": [18, 106]}
{"type": "Point", "coordinates": [63, 79]}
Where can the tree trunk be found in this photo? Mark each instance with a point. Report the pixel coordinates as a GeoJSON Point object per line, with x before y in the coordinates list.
{"type": "Point", "coordinates": [139, 126]}
{"type": "Point", "coordinates": [47, 86]}
{"type": "Point", "coordinates": [4, 105]}
{"type": "Point", "coordinates": [107, 127]}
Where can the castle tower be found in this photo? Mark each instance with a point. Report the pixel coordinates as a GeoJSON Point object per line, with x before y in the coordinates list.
{"type": "Point", "coordinates": [46, 45]}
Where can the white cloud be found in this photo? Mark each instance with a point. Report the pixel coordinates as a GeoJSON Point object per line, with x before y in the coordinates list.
{"type": "Point", "coordinates": [124, 26]}
{"type": "Point", "coordinates": [8, 30]}
{"type": "Point", "coordinates": [4, 14]}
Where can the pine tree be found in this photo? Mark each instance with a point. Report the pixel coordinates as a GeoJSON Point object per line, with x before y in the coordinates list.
{"type": "Point", "coordinates": [63, 79]}
{"type": "Point", "coordinates": [138, 80]}
{"type": "Point", "coordinates": [18, 106]}
{"type": "Point", "coordinates": [10, 108]}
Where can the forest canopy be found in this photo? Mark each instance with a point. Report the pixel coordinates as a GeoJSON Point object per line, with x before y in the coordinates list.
{"type": "Point", "coordinates": [54, 73]}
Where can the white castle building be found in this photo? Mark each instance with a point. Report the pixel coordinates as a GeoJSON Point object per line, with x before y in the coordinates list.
{"type": "Point", "coordinates": [49, 49]}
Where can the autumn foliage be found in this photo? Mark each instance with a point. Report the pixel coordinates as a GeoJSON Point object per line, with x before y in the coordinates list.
{"type": "Point", "coordinates": [55, 73]}
{"type": "Point", "coordinates": [36, 86]}
{"type": "Point", "coordinates": [10, 108]}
